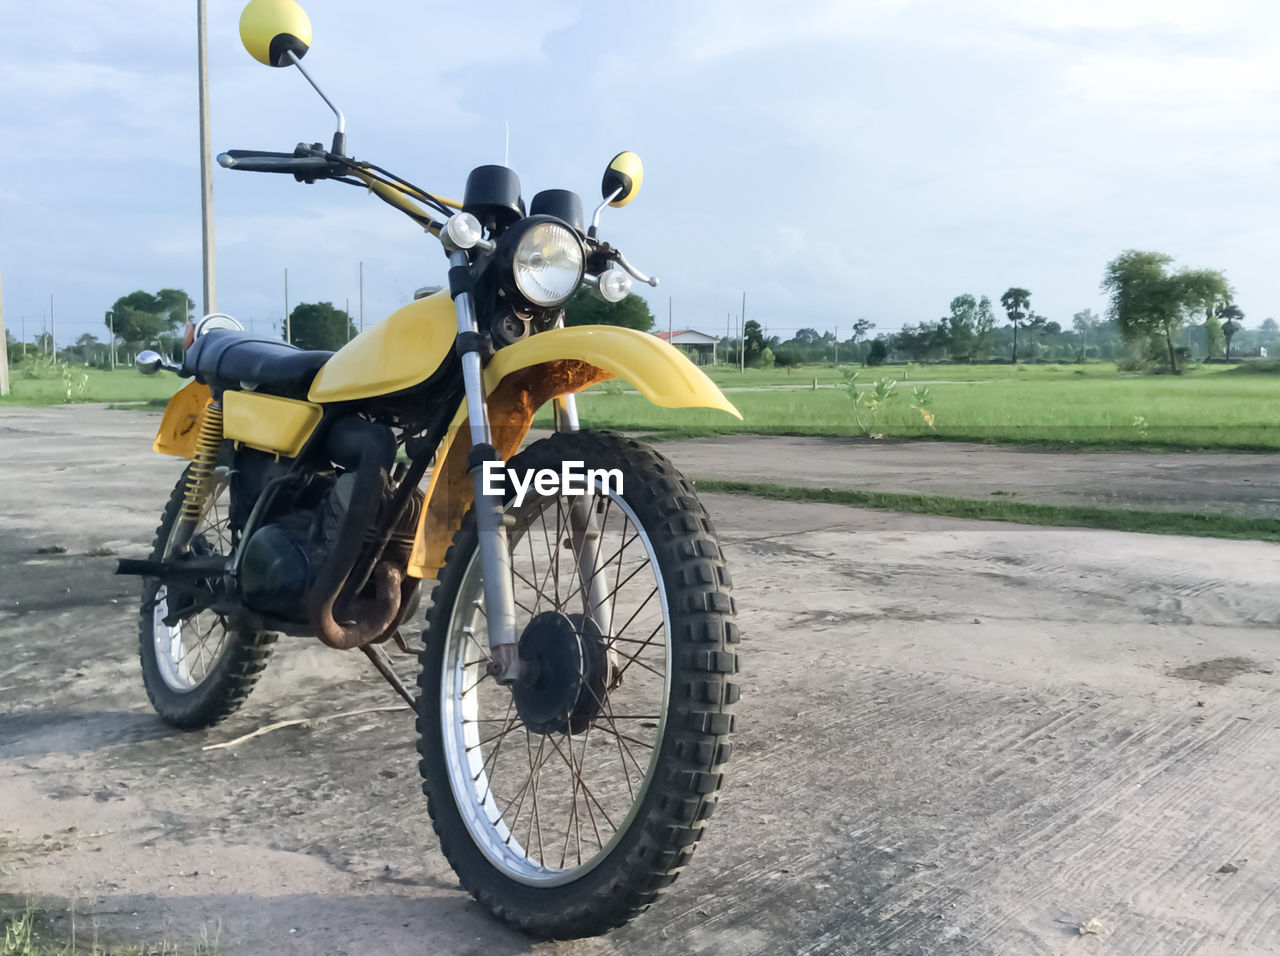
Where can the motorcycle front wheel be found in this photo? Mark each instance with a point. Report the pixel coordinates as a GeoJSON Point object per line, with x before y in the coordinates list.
{"type": "Point", "coordinates": [566, 803]}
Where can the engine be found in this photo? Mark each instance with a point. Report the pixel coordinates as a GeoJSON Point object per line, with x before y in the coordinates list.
{"type": "Point", "coordinates": [283, 558]}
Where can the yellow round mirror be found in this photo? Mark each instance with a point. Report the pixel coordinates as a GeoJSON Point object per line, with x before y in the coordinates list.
{"type": "Point", "coordinates": [625, 173]}
{"type": "Point", "coordinates": [272, 29]}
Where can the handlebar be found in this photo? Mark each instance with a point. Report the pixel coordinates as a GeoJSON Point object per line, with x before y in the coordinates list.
{"type": "Point", "coordinates": [307, 163]}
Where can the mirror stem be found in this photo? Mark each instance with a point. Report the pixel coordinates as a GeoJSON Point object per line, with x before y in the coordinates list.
{"type": "Point", "coordinates": [595, 216]}
{"type": "Point", "coordinates": [339, 136]}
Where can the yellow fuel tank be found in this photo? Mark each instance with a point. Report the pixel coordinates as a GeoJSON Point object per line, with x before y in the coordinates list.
{"type": "Point", "coordinates": [399, 352]}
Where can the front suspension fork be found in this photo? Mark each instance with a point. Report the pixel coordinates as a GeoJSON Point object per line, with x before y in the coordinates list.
{"type": "Point", "coordinates": [495, 557]}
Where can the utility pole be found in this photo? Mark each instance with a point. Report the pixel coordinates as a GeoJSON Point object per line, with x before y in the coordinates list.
{"type": "Point", "coordinates": [4, 366]}
{"type": "Point", "coordinates": [347, 310]}
{"type": "Point", "coordinates": [288, 332]}
{"type": "Point", "coordinates": [743, 364]}
{"type": "Point", "coordinates": [111, 324]}
{"type": "Point", "coordinates": [53, 335]}
{"type": "Point", "coordinates": [206, 183]}
{"type": "Point", "coordinates": [670, 334]}
{"type": "Point", "coordinates": [837, 346]}
{"type": "Point", "coordinates": [742, 347]}
{"type": "Point", "coordinates": [361, 295]}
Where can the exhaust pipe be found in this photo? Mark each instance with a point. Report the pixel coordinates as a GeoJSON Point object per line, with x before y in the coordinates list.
{"type": "Point", "coordinates": [368, 451]}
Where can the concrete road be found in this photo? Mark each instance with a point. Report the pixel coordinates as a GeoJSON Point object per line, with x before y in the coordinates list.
{"type": "Point", "coordinates": [955, 737]}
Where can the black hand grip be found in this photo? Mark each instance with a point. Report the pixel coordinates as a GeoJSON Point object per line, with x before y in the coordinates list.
{"type": "Point", "coordinates": [257, 161]}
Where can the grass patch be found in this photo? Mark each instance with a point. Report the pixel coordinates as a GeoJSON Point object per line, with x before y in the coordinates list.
{"type": "Point", "coordinates": [1110, 519]}
{"type": "Point", "coordinates": [31, 932]}
{"type": "Point", "coordinates": [42, 383]}
{"type": "Point", "coordinates": [1260, 367]}
{"type": "Point", "coordinates": [1102, 408]}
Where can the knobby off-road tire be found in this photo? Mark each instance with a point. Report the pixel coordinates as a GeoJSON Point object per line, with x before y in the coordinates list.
{"type": "Point", "coordinates": [200, 671]}
{"type": "Point", "coordinates": [632, 774]}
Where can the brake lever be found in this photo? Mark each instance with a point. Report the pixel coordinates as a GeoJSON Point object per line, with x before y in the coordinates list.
{"type": "Point", "coordinates": [601, 254]}
{"type": "Point", "coordinates": [636, 274]}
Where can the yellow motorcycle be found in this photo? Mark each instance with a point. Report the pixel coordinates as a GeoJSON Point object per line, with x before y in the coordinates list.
{"type": "Point", "coordinates": [576, 688]}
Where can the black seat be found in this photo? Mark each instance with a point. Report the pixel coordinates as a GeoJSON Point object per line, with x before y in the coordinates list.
{"type": "Point", "coordinates": [231, 359]}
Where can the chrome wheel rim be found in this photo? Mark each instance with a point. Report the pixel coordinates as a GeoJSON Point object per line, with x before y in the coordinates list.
{"type": "Point", "coordinates": [189, 651]}
{"type": "Point", "coordinates": [547, 808]}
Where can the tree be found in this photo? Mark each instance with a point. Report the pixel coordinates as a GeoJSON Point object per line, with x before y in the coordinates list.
{"type": "Point", "coordinates": [787, 356]}
{"type": "Point", "coordinates": [877, 353]}
{"type": "Point", "coordinates": [1084, 323]}
{"type": "Point", "coordinates": [1036, 323]}
{"type": "Point", "coordinates": [318, 325]}
{"type": "Point", "coordinates": [1148, 302]}
{"type": "Point", "coordinates": [753, 337]}
{"type": "Point", "coordinates": [1232, 322]}
{"type": "Point", "coordinates": [962, 326]}
{"type": "Point", "coordinates": [85, 344]}
{"type": "Point", "coordinates": [1214, 340]}
{"type": "Point", "coordinates": [1017, 303]}
{"type": "Point", "coordinates": [145, 319]}
{"type": "Point", "coordinates": [982, 326]}
{"type": "Point", "coordinates": [583, 308]}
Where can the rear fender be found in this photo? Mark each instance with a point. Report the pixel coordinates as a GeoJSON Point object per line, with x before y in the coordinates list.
{"type": "Point", "coordinates": [519, 380]}
{"type": "Point", "coordinates": [180, 426]}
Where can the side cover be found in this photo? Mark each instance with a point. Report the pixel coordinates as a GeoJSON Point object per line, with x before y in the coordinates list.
{"type": "Point", "coordinates": [523, 377]}
{"type": "Point", "coordinates": [268, 422]}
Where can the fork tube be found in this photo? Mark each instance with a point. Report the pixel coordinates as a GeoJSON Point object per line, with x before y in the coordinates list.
{"type": "Point", "coordinates": [565, 408]}
{"type": "Point", "coordinates": [584, 526]}
{"type": "Point", "coordinates": [566, 412]}
{"type": "Point", "coordinates": [495, 558]}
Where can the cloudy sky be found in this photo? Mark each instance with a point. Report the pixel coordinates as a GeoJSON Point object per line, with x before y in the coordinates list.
{"type": "Point", "coordinates": [832, 160]}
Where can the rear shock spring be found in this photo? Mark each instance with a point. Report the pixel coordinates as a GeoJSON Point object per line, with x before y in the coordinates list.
{"type": "Point", "coordinates": [200, 478]}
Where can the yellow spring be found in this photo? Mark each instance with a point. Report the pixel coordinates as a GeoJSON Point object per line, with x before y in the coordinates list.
{"type": "Point", "coordinates": [200, 478]}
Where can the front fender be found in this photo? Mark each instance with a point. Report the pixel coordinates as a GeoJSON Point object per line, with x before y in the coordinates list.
{"type": "Point", "coordinates": [660, 372]}
{"type": "Point", "coordinates": [520, 379]}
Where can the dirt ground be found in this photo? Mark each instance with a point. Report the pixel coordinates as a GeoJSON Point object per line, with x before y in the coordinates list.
{"type": "Point", "coordinates": [956, 737]}
{"type": "Point", "coordinates": [1219, 482]}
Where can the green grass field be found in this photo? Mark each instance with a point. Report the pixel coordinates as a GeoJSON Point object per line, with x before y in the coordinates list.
{"type": "Point", "coordinates": [54, 385]}
{"type": "Point", "coordinates": [1091, 406]}
{"type": "Point", "coordinates": [1095, 405]}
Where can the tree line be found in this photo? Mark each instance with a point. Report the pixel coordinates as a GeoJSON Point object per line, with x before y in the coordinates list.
{"type": "Point", "coordinates": [1156, 316]}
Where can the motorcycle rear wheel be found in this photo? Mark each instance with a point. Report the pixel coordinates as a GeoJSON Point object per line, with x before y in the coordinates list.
{"type": "Point", "coordinates": [566, 805]}
{"type": "Point", "coordinates": [198, 671]}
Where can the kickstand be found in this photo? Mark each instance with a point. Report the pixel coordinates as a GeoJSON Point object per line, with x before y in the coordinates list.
{"type": "Point", "coordinates": [380, 661]}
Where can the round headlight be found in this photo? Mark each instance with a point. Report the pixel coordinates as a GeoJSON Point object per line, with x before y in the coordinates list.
{"type": "Point", "coordinates": [547, 263]}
